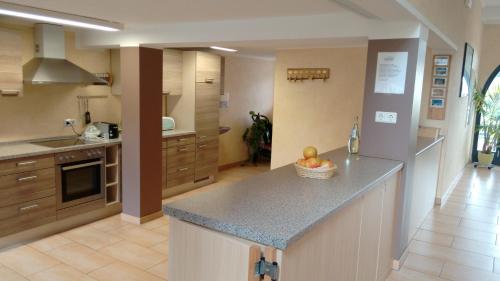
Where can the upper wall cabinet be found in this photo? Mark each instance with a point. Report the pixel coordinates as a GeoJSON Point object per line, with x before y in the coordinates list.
{"type": "Point", "coordinates": [116, 86]}
{"type": "Point", "coordinates": [172, 72]}
{"type": "Point", "coordinates": [11, 64]}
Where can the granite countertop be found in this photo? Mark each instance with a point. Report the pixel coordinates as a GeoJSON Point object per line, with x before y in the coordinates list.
{"type": "Point", "coordinates": [13, 150]}
{"type": "Point", "coordinates": [177, 133]}
{"type": "Point", "coordinates": [425, 143]}
{"type": "Point", "coordinates": [278, 207]}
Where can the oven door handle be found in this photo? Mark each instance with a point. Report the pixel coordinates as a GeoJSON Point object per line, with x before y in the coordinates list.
{"type": "Point", "coordinates": [69, 168]}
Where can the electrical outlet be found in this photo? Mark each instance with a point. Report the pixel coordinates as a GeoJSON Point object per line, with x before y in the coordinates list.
{"type": "Point", "coordinates": [69, 122]}
{"type": "Point", "coordinates": [386, 117]}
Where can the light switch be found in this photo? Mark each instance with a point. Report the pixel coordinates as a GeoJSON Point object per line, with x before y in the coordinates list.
{"type": "Point", "coordinates": [386, 117]}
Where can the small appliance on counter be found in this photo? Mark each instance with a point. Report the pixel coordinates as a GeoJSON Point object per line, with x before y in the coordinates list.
{"type": "Point", "coordinates": [168, 123]}
{"type": "Point", "coordinates": [108, 130]}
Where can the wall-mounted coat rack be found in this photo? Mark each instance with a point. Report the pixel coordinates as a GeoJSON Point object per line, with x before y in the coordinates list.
{"type": "Point", "coordinates": [301, 74]}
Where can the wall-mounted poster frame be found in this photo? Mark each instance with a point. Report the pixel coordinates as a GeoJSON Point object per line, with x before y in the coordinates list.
{"type": "Point", "coordinates": [439, 87]}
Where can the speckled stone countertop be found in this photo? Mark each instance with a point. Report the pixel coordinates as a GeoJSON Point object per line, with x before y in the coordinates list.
{"type": "Point", "coordinates": [276, 208]}
{"type": "Point", "coordinates": [424, 144]}
{"type": "Point", "coordinates": [13, 150]}
{"type": "Point", "coordinates": [176, 133]}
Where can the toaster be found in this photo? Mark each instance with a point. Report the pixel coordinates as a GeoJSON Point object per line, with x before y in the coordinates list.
{"type": "Point", "coordinates": [108, 130]}
{"type": "Point", "coordinates": [168, 123]}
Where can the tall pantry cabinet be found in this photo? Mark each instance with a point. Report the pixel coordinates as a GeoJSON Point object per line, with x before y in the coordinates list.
{"type": "Point", "coordinates": [207, 92]}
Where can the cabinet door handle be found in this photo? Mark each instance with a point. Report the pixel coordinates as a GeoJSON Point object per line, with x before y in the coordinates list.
{"type": "Point", "coordinates": [27, 178]}
{"type": "Point", "coordinates": [182, 149]}
{"type": "Point", "coordinates": [202, 146]}
{"type": "Point", "coordinates": [27, 163]}
{"type": "Point", "coordinates": [181, 140]}
{"type": "Point", "coordinates": [202, 137]}
{"type": "Point", "coordinates": [182, 169]}
{"type": "Point", "coordinates": [209, 80]}
{"type": "Point", "coordinates": [10, 92]}
{"type": "Point", "coordinates": [27, 208]}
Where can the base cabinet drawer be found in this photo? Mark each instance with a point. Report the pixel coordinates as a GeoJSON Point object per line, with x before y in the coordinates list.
{"type": "Point", "coordinates": [203, 171]}
{"type": "Point", "coordinates": [182, 140]}
{"type": "Point", "coordinates": [28, 186]}
{"type": "Point", "coordinates": [181, 177]}
{"type": "Point", "coordinates": [25, 165]}
{"type": "Point", "coordinates": [27, 215]}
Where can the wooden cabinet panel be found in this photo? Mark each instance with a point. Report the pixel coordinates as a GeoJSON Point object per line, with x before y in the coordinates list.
{"type": "Point", "coordinates": [207, 135]}
{"type": "Point", "coordinates": [181, 140]}
{"type": "Point", "coordinates": [11, 66]}
{"type": "Point", "coordinates": [371, 219]}
{"type": "Point", "coordinates": [180, 150]}
{"type": "Point", "coordinates": [180, 159]}
{"type": "Point", "coordinates": [179, 170]}
{"type": "Point", "coordinates": [387, 241]}
{"type": "Point", "coordinates": [172, 72]}
{"type": "Point", "coordinates": [208, 67]}
{"type": "Point", "coordinates": [27, 215]}
{"type": "Point", "coordinates": [164, 168]}
{"type": "Point", "coordinates": [28, 164]}
{"type": "Point", "coordinates": [18, 188]}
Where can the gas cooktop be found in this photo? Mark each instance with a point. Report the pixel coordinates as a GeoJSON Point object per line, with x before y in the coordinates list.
{"type": "Point", "coordinates": [64, 142]}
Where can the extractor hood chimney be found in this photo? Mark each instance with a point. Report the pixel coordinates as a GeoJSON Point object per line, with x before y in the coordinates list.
{"type": "Point", "coordinates": [49, 66]}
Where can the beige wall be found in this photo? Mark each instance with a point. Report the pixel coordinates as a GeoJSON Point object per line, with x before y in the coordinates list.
{"type": "Point", "coordinates": [467, 27]}
{"type": "Point", "coordinates": [249, 82]}
{"type": "Point", "coordinates": [490, 54]}
{"type": "Point", "coordinates": [315, 112]}
{"type": "Point", "coordinates": [42, 109]}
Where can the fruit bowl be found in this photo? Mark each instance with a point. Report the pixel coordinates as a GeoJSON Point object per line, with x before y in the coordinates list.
{"type": "Point", "coordinates": [315, 173]}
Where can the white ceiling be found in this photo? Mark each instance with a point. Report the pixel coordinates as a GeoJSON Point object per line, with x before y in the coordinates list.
{"type": "Point", "coordinates": [144, 12]}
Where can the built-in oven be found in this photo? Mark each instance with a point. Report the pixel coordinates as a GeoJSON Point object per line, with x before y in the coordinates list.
{"type": "Point", "coordinates": [80, 177]}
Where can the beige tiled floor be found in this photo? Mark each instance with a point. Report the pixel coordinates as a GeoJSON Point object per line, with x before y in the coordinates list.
{"type": "Point", "coordinates": [459, 241]}
{"type": "Point", "coordinates": [106, 250]}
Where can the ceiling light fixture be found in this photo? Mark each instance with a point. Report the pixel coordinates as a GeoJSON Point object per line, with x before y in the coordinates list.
{"type": "Point", "coordinates": [223, 49]}
{"type": "Point", "coordinates": [47, 16]}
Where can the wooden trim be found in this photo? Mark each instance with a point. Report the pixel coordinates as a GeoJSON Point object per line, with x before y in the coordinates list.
{"type": "Point", "coordinates": [141, 220]}
{"type": "Point", "coordinates": [231, 165]}
{"type": "Point", "coordinates": [253, 258]}
{"type": "Point", "coordinates": [271, 256]}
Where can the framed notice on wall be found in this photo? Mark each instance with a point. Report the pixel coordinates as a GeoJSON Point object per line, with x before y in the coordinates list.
{"type": "Point", "coordinates": [391, 73]}
{"type": "Point", "coordinates": [439, 87]}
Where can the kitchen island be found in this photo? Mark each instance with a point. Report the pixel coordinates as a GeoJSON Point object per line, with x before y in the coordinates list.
{"type": "Point", "coordinates": [318, 230]}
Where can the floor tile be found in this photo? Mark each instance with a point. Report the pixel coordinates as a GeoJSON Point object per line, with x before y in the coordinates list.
{"type": "Point", "coordinates": [80, 257]}
{"type": "Point", "coordinates": [141, 236]}
{"type": "Point", "coordinates": [434, 238]}
{"type": "Point", "coordinates": [8, 274]}
{"type": "Point", "coordinates": [481, 226]}
{"type": "Point", "coordinates": [155, 223]}
{"type": "Point", "coordinates": [486, 249]}
{"type": "Point", "coordinates": [50, 243]}
{"type": "Point", "coordinates": [60, 273]}
{"type": "Point", "coordinates": [26, 260]}
{"type": "Point", "coordinates": [111, 224]}
{"type": "Point", "coordinates": [91, 237]}
{"type": "Point", "coordinates": [134, 254]}
{"type": "Point", "coordinates": [161, 247]}
{"type": "Point", "coordinates": [458, 272]}
{"type": "Point", "coordinates": [463, 232]}
{"type": "Point", "coordinates": [160, 270]}
{"type": "Point", "coordinates": [451, 255]}
{"type": "Point", "coordinates": [423, 264]}
{"type": "Point", "coordinates": [123, 272]}
{"type": "Point", "coordinates": [410, 275]}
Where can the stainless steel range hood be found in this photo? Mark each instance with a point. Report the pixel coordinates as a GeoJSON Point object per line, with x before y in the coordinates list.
{"type": "Point", "coordinates": [49, 66]}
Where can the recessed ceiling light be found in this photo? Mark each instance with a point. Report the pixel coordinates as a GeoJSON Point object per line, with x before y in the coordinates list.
{"type": "Point", "coordinates": [223, 49]}
{"type": "Point", "coordinates": [47, 16]}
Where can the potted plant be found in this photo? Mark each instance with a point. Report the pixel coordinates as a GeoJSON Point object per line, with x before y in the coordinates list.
{"type": "Point", "coordinates": [258, 136]}
{"type": "Point", "coordinates": [488, 104]}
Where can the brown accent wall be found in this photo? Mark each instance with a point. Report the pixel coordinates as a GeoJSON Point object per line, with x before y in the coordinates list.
{"type": "Point", "coordinates": [395, 141]}
{"type": "Point", "coordinates": [141, 70]}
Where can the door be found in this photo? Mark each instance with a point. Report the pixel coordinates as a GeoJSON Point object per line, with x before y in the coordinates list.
{"type": "Point", "coordinates": [491, 86]}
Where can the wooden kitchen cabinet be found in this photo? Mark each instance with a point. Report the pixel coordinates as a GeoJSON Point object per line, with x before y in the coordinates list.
{"type": "Point", "coordinates": [172, 72]}
{"type": "Point", "coordinates": [11, 65]}
{"type": "Point", "coordinates": [207, 91]}
{"type": "Point", "coordinates": [27, 193]}
{"type": "Point", "coordinates": [179, 155]}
